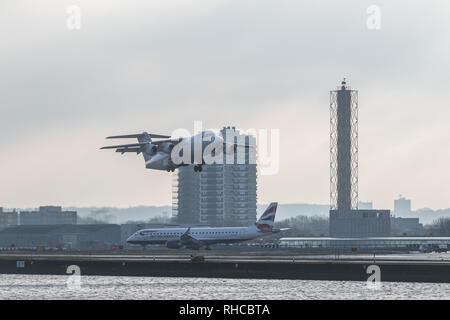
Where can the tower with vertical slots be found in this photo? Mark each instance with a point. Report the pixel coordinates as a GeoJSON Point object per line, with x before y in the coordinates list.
{"type": "Point", "coordinates": [345, 218]}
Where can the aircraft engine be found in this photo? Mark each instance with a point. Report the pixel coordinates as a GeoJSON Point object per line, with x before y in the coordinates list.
{"type": "Point", "coordinates": [193, 246]}
{"type": "Point", "coordinates": [174, 244]}
{"type": "Point", "coordinates": [150, 149]}
{"type": "Point", "coordinates": [167, 147]}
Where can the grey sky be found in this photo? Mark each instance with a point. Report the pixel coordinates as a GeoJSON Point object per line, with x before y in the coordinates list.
{"type": "Point", "coordinates": [160, 66]}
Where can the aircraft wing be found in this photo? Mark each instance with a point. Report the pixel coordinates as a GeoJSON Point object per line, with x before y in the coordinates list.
{"type": "Point", "coordinates": [175, 141]}
{"type": "Point", "coordinates": [138, 147]}
{"type": "Point", "coordinates": [230, 148]}
{"type": "Point", "coordinates": [123, 150]}
{"type": "Point", "coordinates": [132, 147]}
{"type": "Point", "coordinates": [125, 146]}
{"type": "Point", "coordinates": [280, 230]}
{"type": "Point", "coordinates": [139, 135]}
{"type": "Point", "coordinates": [189, 241]}
{"type": "Point", "coordinates": [238, 145]}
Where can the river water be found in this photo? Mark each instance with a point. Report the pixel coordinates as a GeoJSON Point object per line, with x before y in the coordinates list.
{"type": "Point", "coordinates": [102, 287]}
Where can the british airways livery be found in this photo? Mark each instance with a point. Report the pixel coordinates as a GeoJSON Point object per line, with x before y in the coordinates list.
{"type": "Point", "coordinates": [195, 238]}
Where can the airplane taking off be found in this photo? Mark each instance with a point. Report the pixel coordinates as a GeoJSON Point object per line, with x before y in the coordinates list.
{"type": "Point", "coordinates": [158, 153]}
{"type": "Point", "coordinates": [195, 238]}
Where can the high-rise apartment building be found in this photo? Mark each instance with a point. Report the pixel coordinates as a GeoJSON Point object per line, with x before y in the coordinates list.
{"type": "Point", "coordinates": [221, 194]}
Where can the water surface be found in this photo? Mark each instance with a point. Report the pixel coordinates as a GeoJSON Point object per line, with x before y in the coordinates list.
{"type": "Point", "coordinates": [102, 287]}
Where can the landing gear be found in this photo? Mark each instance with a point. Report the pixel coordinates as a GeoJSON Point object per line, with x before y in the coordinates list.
{"type": "Point", "coordinates": [171, 166]}
{"type": "Point", "coordinates": [198, 168]}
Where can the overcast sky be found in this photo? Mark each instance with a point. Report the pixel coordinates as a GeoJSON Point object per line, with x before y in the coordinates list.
{"type": "Point", "coordinates": [161, 65]}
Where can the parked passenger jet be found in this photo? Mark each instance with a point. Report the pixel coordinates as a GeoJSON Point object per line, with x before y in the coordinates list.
{"type": "Point", "coordinates": [195, 238]}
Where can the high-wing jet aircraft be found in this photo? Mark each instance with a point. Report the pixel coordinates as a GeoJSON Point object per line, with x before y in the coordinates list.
{"type": "Point", "coordinates": [159, 154]}
{"type": "Point", "coordinates": [195, 238]}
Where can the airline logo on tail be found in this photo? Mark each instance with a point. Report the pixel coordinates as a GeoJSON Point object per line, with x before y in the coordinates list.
{"type": "Point", "coordinates": [265, 222]}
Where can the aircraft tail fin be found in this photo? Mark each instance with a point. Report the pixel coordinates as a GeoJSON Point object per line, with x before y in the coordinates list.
{"type": "Point", "coordinates": [145, 138]}
{"type": "Point", "coordinates": [266, 221]}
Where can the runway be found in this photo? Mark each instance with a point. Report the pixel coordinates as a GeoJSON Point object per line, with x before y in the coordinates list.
{"type": "Point", "coordinates": [242, 257]}
{"type": "Point", "coordinates": [394, 268]}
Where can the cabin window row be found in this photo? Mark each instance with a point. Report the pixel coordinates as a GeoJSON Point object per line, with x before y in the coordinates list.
{"type": "Point", "coordinates": [179, 234]}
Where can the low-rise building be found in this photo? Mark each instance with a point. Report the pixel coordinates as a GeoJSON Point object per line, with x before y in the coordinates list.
{"type": "Point", "coordinates": [48, 215]}
{"type": "Point", "coordinates": [406, 226]}
{"type": "Point", "coordinates": [8, 218]}
{"type": "Point", "coordinates": [370, 243]}
{"type": "Point", "coordinates": [360, 223]}
{"type": "Point", "coordinates": [88, 237]}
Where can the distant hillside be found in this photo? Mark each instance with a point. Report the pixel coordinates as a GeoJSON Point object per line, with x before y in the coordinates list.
{"type": "Point", "coordinates": [285, 211]}
{"type": "Point", "coordinates": [144, 213]}
{"type": "Point", "coordinates": [427, 216]}
{"type": "Point", "coordinates": [289, 210]}
{"type": "Point", "coordinates": [121, 215]}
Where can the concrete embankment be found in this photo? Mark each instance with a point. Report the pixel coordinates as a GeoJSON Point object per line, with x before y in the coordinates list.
{"type": "Point", "coordinates": [227, 267]}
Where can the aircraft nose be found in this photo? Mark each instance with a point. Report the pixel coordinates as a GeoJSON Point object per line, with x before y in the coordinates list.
{"type": "Point", "coordinates": [131, 238]}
